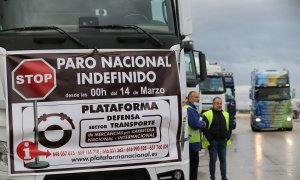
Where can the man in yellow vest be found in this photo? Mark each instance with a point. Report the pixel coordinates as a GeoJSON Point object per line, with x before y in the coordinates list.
{"type": "Point", "coordinates": [217, 135]}
{"type": "Point", "coordinates": [195, 125]}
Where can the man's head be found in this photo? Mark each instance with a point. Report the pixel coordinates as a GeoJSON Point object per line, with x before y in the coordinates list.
{"type": "Point", "coordinates": [217, 103]}
{"type": "Point", "coordinates": [193, 96]}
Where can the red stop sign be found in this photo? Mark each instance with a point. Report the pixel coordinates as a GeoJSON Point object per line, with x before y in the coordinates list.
{"type": "Point", "coordinates": [34, 79]}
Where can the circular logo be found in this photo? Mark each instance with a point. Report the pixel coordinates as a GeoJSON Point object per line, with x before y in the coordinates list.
{"type": "Point", "coordinates": [25, 150]}
{"type": "Point", "coordinates": [66, 134]}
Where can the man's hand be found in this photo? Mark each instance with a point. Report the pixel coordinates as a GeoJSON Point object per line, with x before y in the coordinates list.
{"type": "Point", "coordinates": [202, 123]}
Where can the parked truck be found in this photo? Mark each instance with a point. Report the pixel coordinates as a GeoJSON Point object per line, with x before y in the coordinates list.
{"type": "Point", "coordinates": [230, 93]}
{"type": "Point", "coordinates": [213, 86]}
{"type": "Point", "coordinates": [200, 73]}
{"type": "Point", "coordinates": [94, 89]}
{"type": "Point", "coordinates": [271, 100]}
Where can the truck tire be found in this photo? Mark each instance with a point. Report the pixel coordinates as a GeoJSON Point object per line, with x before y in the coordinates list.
{"type": "Point", "coordinates": [289, 129]}
{"type": "Point", "coordinates": [254, 129]}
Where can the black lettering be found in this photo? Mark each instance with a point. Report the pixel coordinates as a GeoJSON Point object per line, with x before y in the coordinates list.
{"type": "Point", "coordinates": [106, 106]}
{"type": "Point", "coordinates": [154, 106]}
{"type": "Point", "coordinates": [99, 108]}
{"type": "Point", "coordinates": [113, 108]}
{"type": "Point", "coordinates": [145, 106]}
{"type": "Point", "coordinates": [136, 106]}
{"type": "Point", "coordinates": [85, 108]}
{"type": "Point", "coordinates": [128, 107]}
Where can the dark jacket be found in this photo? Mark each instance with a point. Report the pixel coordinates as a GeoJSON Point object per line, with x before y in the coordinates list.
{"type": "Point", "coordinates": [195, 123]}
{"type": "Point", "coordinates": [217, 130]}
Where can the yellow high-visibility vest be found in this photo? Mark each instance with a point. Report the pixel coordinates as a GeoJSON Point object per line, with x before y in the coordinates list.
{"type": "Point", "coordinates": [209, 115]}
{"type": "Point", "coordinates": [194, 134]}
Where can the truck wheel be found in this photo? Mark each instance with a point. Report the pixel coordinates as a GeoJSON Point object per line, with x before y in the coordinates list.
{"type": "Point", "coordinates": [254, 129]}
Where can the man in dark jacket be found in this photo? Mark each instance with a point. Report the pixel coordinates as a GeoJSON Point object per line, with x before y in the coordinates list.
{"type": "Point", "coordinates": [195, 125]}
{"type": "Point", "coordinates": [217, 136]}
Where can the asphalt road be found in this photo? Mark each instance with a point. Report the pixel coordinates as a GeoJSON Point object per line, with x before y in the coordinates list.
{"type": "Point", "coordinates": [267, 155]}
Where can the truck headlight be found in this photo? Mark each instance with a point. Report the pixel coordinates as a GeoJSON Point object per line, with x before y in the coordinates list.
{"type": "Point", "coordinates": [178, 175]}
{"type": "Point", "coordinates": [171, 175]}
{"type": "Point", "coordinates": [288, 118]}
{"type": "Point", "coordinates": [3, 153]}
{"type": "Point", "coordinates": [257, 119]}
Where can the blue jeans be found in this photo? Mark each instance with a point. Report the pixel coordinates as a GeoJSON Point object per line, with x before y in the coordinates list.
{"type": "Point", "coordinates": [217, 148]}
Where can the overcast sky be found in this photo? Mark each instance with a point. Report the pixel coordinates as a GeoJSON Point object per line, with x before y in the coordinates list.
{"type": "Point", "coordinates": [245, 34]}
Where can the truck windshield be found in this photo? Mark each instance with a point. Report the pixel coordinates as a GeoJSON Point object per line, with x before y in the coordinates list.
{"type": "Point", "coordinates": [272, 93]}
{"type": "Point", "coordinates": [189, 66]}
{"type": "Point", "coordinates": [229, 81]}
{"type": "Point", "coordinates": [155, 16]}
{"type": "Point", "coordinates": [229, 94]}
{"type": "Point", "coordinates": [213, 85]}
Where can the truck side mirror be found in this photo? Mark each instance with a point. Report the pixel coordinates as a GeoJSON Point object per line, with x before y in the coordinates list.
{"type": "Point", "coordinates": [202, 62]}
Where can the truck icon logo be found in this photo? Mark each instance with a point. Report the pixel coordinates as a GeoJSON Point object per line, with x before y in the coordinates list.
{"type": "Point", "coordinates": [67, 133]}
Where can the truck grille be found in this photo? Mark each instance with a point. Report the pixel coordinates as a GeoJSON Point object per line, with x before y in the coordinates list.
{"type": "Point", "coordinates": [136, 174]}
{"type": "Point", "coordinates": [275, 111]}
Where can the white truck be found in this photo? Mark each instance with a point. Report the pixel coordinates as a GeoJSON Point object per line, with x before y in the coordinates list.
{"type": "Point", "coordinates": [213, 86]}
{"type": "Point", "coordinates": [93, 89]}
{"type": "Point", "coordinates": [194, 77]}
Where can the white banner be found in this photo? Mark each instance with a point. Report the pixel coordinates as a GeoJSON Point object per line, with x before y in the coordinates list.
{"type": "Point", "coordinates": [64, 117]}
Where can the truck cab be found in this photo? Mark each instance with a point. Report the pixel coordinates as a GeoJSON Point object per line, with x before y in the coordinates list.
{"type": "Point", "coordinates": [213, 86]}
{"type": "Point", "coordinates": [110, 26]}
{"type": "Point", "coordinates": [230, 94]}
{"type": "Point", "coordinates": [271, 106]}
{"type": "Point", "coordinates": [195, 64]}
